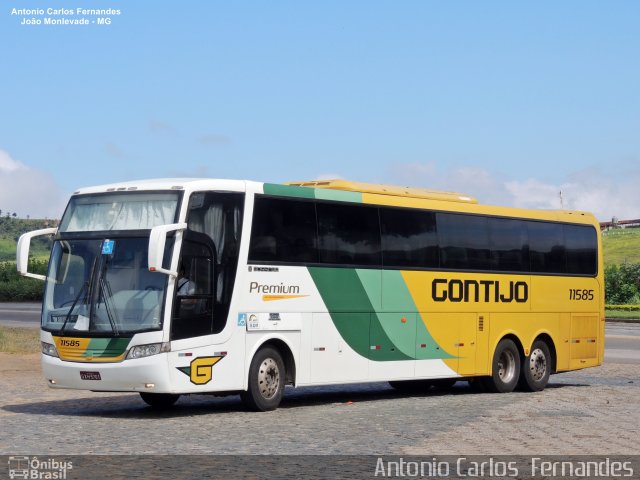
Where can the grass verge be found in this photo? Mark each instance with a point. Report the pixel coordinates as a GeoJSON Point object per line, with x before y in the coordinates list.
{"type": "Point", "coordinates": [19, 340]}
{"type": "Point", "coordinates": [628, 316]}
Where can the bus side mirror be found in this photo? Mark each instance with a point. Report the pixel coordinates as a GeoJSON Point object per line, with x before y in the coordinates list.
{"type": "Point", "coordinates": [157, 242]}
{"type": "Point", "coordinates": [22, 253]}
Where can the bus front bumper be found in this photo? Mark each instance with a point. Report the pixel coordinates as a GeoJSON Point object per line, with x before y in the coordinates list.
{"type": "Point", "coordinates": [149, 374]}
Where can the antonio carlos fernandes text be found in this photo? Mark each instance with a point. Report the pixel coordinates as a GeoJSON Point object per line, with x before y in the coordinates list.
{"type": "Point", "coordinates": [65, 11]}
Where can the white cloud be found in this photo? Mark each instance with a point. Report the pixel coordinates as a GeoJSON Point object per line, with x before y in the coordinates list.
{"type": "Point", "coordinates": [533, 193]}
{"type": "Point", "coordinates": [602, 193]}
{"type": "Point", "coordinates": [8, 164]}
{"type": "Point", "coordinates": [28, 191]}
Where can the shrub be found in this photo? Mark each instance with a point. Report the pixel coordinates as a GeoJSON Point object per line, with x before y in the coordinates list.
{"type": "Point", "coordinates": [622, 283]}
{"type": "Point", "coordinates": [15, 288]}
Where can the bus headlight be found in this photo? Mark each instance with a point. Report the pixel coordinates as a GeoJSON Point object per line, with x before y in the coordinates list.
{"type": "Point", "coordinates": [49, 349]}
{"type": "Point", "coordinates": [140, 351]}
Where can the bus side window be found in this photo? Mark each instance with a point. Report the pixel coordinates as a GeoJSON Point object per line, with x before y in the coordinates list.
{"type": "Point", "coordinates": [464, 241]}
{"type": "Point", "coordinates": [283, 230]}
{"type": "Point", "coordinates": [546, 245]}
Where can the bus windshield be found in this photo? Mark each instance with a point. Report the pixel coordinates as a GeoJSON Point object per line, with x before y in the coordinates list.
{"type": "Point", "coordinates": [119, 211]}
{"type": "Point", "coordinates": [102, 286]}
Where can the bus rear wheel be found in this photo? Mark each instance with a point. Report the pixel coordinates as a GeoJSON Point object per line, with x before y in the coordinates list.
{"type": "Point", "coordinates": [505, 368]}
{"type": "Point", "coordinates": [536, 368]}
{"type": "Point", "coordinates": [159, 400]}
{"type": "Point", "coordinates": [266, 381]}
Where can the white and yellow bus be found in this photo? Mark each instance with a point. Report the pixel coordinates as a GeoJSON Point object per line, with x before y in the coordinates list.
{"type": "Point", "coordinates": [186, 286]}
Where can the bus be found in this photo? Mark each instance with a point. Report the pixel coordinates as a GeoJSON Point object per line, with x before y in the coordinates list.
{"type": "Point", "coordinates": [312, 283]}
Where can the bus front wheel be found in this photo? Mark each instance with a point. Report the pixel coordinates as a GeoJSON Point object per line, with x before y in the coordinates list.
{"type": "Point", "coordinates": [505, 368]}
{"type": "Point", "coordinates": [159, 400]}
{"type": "Point", "coordinates": [266, 381]}
{"type": "Point", "coordinates": [536, 367]}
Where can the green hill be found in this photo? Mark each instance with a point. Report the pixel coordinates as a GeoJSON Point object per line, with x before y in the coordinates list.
{"type": "Point", "coordinates": [10, 231]}
{"type": "Point", "coordinates": [621, 246]}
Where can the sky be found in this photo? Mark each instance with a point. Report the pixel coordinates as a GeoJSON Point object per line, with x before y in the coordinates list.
{"type": "Point", "coordinates": [511, 102]}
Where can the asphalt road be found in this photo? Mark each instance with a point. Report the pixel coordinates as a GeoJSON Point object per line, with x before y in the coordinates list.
{"type": "Point", "coordinates": [622, 342]}
{"type": "Point", "coordinates": [13, 314]}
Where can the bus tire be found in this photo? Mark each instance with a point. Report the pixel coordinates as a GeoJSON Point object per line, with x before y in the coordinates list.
{"type": "Point", "coordinates": [536, 368]}
{"type": "Point", "coordinates": [159, 400]}
{"type": "Point", "coordinates": [266, 381]}
{"type": "Point", "coordinates": [505, 368]}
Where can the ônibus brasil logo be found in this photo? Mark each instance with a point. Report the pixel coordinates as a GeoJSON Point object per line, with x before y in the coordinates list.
{"type": "Point", "coordinates": [37, 468]}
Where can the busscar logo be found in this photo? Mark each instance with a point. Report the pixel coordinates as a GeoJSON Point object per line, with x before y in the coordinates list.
{"type": "Point", "coordinates": [200, 370]}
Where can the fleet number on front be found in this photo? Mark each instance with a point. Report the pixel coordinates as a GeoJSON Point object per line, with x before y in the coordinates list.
{"type": "Point", "coordinates": [580, 294]}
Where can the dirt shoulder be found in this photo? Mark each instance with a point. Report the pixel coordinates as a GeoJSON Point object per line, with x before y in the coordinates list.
{"type": "Point", "coordinates": [19, 363]}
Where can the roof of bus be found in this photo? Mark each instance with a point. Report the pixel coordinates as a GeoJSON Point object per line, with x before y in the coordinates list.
{"type": "Point", "coordinates": [393, 195]}
{"type": "Point", "coordinates": [347, 191]}
{"type": "Point", "coordinates": [163, 184]}
{"type": "Point", "coordinates": [382, 189]}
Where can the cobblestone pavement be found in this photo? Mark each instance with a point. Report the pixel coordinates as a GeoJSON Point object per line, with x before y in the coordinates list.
{"type": "Point", "coordinates": [595, 411]}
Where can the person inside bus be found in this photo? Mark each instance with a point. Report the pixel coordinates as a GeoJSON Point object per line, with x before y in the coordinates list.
{"type": "Point", "coordinates": [185, 285]}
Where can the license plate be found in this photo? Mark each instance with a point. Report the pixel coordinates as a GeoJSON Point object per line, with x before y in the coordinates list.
{"type": "Point", "coordinates": [90, 376]}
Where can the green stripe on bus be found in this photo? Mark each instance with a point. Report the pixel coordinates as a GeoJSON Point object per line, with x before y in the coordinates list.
{"type": "Point", "coordinates": [310, 192]}
{"type": "Point", "coordinates": [288, 191]}
{"type": "Point", "coordinates": [352, 311]}
{"type": "Point", "coordinates": [397, 297]}
{"type": "Point", "coordinates": [107, 347]}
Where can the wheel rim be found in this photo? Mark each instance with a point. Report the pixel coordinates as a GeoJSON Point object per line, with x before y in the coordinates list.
{"type": "Point", "coordinates": [269, 378]}
{"type": "Point", "coordinates": [507, 366]}
{"type": "Point", "coordinates": [537, 365]}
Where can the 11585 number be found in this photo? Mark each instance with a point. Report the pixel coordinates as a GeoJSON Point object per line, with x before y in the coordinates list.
{"type": "Point", "coordinates": [580, 294]}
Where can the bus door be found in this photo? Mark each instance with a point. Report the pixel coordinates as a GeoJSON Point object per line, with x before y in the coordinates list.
{"type": "Point", "coordinates": [193, 313]}
{"type": "Point", "coordinates": [208, 261]}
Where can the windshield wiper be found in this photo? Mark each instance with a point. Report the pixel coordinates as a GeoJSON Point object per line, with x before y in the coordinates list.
{"type": "Point", "coordinates": [85, 285]}
{"type": "Point", "coordinates": [106, 293]}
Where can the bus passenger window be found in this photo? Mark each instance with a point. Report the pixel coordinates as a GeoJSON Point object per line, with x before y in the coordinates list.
{"type": "Point", "coordinates": [581, 242]}
{"type": "Point", "coordinates": [348, 234]}
{"type": "Point", "coordinates": [509, 245]}
{"type": "Point", "coordinates": [409, 238]}
{"type": "Point", "coordinates": [464, 241]}
{"type": "Point", "coordinates": [546, 245]}
{"type": "Point", "coordinates": [283, 230]}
